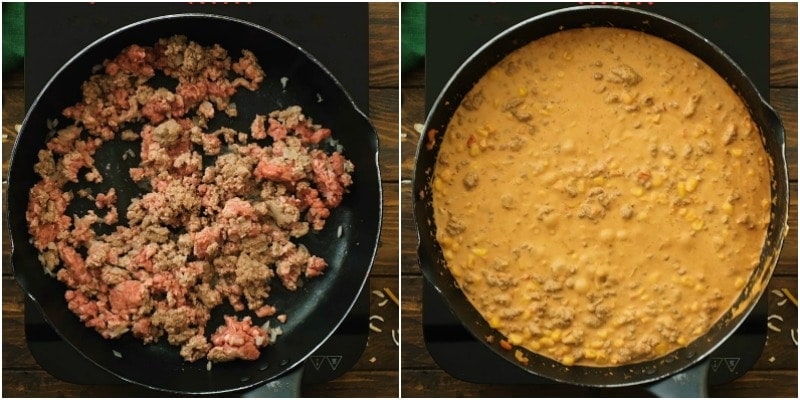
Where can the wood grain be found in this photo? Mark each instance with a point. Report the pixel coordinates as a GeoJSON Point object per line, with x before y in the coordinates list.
{"type": "Point", "coordinates": [775, 373]}
{"type": "Point", "coordinates": [376, 374]}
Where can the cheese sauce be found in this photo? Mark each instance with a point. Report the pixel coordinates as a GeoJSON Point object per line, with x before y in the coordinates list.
{"type": "Point", "coordinates": [601, 196]}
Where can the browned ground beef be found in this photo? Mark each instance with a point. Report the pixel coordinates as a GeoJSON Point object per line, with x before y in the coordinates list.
{"type": "Point", "coordinates": [201, 235]}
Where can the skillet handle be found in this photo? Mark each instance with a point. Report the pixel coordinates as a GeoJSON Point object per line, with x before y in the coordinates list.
{"type": "Point", "coordinates": [692, 382]}
{"type": "Point", "coordinates": [285, 386]}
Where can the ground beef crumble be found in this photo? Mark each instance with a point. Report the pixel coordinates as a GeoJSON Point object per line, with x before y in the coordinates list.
{"type": "Point", "coordinates": [201, 234]}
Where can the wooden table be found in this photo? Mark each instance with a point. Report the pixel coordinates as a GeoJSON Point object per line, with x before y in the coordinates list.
{"type": "Point", "coordinates": [375, 374]}
{"type": "Point", "coordinates": [774, 375]}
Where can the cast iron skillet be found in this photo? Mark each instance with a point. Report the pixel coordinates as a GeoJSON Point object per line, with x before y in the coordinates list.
{"type": "Point", "coordinates": [430, 254]}
{"type": "Point", "coordinates": [315, 310]}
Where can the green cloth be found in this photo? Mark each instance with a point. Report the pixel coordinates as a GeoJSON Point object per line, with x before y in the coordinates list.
{"type": "Point", "coordinates": [13, 36]}
{"type": "Point", "coordinates": [412, 37]}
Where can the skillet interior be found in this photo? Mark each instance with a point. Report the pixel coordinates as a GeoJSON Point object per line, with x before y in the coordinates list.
{"type": "Point", "coordinates": [312, 314]}
{"type": "Point", "coordinates": [430, 256]}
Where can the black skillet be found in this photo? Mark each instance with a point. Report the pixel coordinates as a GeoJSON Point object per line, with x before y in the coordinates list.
{"type": "Point", "coordinates": [683, 371]}
{"type": "Point", "coordinates": [315, 310]}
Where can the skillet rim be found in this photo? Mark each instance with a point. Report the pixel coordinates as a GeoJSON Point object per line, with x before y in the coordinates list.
{"type": "Point", "coordinates": [449, 98]}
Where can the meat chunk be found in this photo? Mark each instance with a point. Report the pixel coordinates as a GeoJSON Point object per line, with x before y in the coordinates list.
{"type": "Point", "coordinates": [209, 225]}
{"type": "Point", "coordinates": [237, 340]}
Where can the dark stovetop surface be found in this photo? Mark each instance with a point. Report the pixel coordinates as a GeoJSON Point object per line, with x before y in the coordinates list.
{"type": "Point", "coordinates": [57, 31]}
{"type": "Point", "coordinates": [453, 34]}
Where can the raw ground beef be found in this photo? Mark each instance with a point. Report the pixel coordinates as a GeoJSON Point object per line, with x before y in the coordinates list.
{"type": "Point", "coordinates": [200, 235]}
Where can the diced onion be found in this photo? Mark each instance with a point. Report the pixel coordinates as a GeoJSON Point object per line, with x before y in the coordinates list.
{"type": "Point", "coordinates": [374, 317]}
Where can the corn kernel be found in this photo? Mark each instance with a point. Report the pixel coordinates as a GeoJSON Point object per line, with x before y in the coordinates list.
{"type": "Point", "coordinates": [437, 184]}
{"type": "Point", "coordinates": [600, 356]}
{"type": "Point", "coordinates": [596, 344]}
{"type": "Point", "coordinates": [738, 283]}
{"type": "Point", "coordinates": [691, 184]}
{"type": "Point", "coordinates": [603, 334]}
{"type": "Point", "coordinates": [568, 360]}
{"type": "Point", "coordinates": [448, 254]}
{"type": "Point", "coordinates": [547, 342]}
{"type": "Point", "coordinates": [479, 251]}
{"type": "Point", "coordinates": [483, 132]}
{"type": "Point", "coordinates": [556, 334]}
{"type": "Point", "coordinates": [736, 152]}
{"type": "Point", "coordinates": [727, 208]}
{"type": "Point", "coordinates": [522, 91]}
{"type": "Point", "coordinates": [637, 191]}
{"type": "Point", "coordinates": [474, 150]}
{"type": "Point", "coordinates": [494, 322]}
{"type": "Point", "coordinates": [682, 212]}
{"type": "Point", "coordinates": [470, 261]}
{"type": "Point", "coordinates": [515, 339]}
{"type": "Point", "coordinates": [599, 180]}
{"type": "Point", "coordinates": [589, 353]}
{"type": "Point", "coordinates": [618, 343]}
{"type": "Point", "coordinates": [681, 341]}
{"type": "Point", "coordinates": [661, 348]}
{"type": "Point", "coordinates": [681, 189]}
{"type": "Point", "coordinates": [534, 345]}
{"type": "Point", "coordinates": [697, 225]}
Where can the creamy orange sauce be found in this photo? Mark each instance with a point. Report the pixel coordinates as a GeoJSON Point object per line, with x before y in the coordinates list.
{"type": "Point", "coordinates": [601, 196]}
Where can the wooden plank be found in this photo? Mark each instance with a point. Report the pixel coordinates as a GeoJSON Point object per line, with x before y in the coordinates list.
{"type": "Point", "coordinates": [388, 245]}
{"type": "Point", "coordinates": [783, 45]}
{"type": "Point", "coordinates": [383, 113]}
{"type": "Point", "coordinates": [433, 383]}
{"type": "Point", "coordinates": [784, 101]}
{"type": "Point", "coordinates": [383, 45]}
{"type": "Point", "coordinates": [353, 384]}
